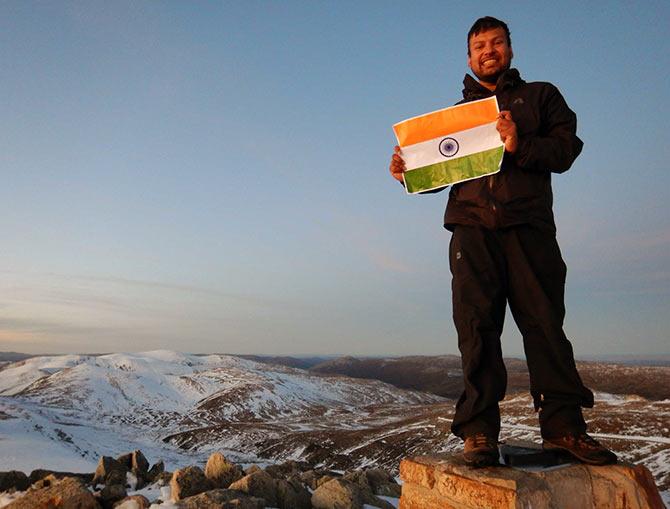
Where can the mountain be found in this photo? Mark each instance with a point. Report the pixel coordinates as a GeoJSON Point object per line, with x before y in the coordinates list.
{"type": "Point", "coordinates": [65, 412]}
{"type": "Point", "coordinates": [442, 375]}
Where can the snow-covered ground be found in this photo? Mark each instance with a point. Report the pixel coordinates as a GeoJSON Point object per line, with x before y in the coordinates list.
{"type": "Point", "coordinates": [65, 412]}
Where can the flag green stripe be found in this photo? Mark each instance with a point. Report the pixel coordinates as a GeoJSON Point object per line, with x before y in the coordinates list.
{"type": "Point", "coordinates": [453, 170]}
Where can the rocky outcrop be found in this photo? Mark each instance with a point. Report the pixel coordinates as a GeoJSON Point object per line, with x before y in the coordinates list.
{"type": "Point", "coordinates": [444, 482]}
{"type": "Point", "coordinates": [221, 472]}
{"type": "Point", "coordinates": [258, 484]}
{"type": "Point", "coordinates": [53, 493]}
{"type": "Point", "coordinates": [187, 482]}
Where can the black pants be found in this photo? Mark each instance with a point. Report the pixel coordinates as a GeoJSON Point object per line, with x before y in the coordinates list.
{"type": "Point", "coordinates": [523, 266]}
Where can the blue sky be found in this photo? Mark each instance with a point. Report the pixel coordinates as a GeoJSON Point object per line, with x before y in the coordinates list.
{"type": "Point", "coordinates": [213, 176]}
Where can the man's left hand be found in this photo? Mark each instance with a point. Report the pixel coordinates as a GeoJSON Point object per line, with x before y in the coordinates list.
{"type": "Point", "coordinates": [507, 129]}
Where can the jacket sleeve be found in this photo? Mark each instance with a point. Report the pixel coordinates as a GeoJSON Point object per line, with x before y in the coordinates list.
{"type": "Point", "coordinates": [556, 145]}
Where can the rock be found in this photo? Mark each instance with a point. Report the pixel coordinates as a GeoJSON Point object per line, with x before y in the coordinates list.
{"type": "Point", "coordinates": [105, 467]}
{"type": "Point", "coordinates": [322, 480]}
{"type": "Point", "coordinates": [133, 502]}
{"type": "Point", "coordinates": [125, 460]}
{"type": "Point", "coordinates": [139, 464]}
{"type": "Point", "coordinates": [155, 471]}
{"type": "Point", "coordinates": [187, 482]}
{"type": "Point", "coordinates": [252, 469]}
{"type": "Point", "coordinates": [382, 483]}
{"type": "Point", "coordinates": [39, 474]}
{"type": "Point", "coordinates": [432, 482]}
{"type": "Point", "coordinates": [258, 484]}
{"type": "Point", "coordinates": [291, 494]}
{"type": "Point", "coordinates": [221, 472]}
{"type": "Point", "coordinates": [338, 494]}
{"type": "Point", "coordinates": [13, 480]}
{"type": "Point", "coordinates": [221, 499]}
{"type": "Point", "coordinates": [163, 479]}
{"type": "Point", "coordinates": [116, 477]}
{"type": "Point", "coordinates": [53, 493]}
{"type": "Point", "coordinates": [287, 469]}
{"type": "Point", "coordinates": [360, 478]}
{"type": "Point", "coordinates": [112, 493]}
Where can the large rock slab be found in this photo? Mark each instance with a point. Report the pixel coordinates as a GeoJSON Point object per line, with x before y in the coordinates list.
{"type": "Point", "coordinates": [52, 493]}
{"type": "Point", "coordinates": [444, 482]}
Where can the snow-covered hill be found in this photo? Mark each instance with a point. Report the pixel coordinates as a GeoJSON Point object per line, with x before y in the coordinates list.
{"type": "Point", "coordinates": [95, 405]}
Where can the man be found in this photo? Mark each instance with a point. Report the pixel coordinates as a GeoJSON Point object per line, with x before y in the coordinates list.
{"type": "Point", "coordinates": [504, 250]}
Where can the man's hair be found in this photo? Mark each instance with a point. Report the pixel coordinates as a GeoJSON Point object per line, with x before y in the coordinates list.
{"type": "Point", "coordinates": [487, 23]}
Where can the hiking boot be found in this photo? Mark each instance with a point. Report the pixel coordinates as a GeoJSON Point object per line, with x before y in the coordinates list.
{"type": "Point", "coordinates": [481, 450]}
{"type": "Point", "coordinates": [581, 446]}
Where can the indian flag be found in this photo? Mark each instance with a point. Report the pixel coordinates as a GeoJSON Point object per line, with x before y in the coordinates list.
{"type": "Point", "coordinates": [450, 145]}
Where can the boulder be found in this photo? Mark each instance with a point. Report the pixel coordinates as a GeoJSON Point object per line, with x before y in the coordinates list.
{"type": "Point", "coordinates": [139, 464]}
{"type": "Point", "coordinates": [187, 482]}
{"type": "Point", "coordinates": [432, 482]}
{"type": "Point", "coordinates": [338, 494]}
{"type": "Point", "coordinates": [252, 469]}
{"type": "Point", "coordinates": [40, 473]}
{"type": "Point", "coordinates": [112, 493]}
{"type": "Point", "coordinates": [287, 469]}
{"type": "Point", "coordinates": [155, 471]}
{"type": "Point", "coordinates": [291, 494]}
{"type": "Point", "coordinates": [221, 472]}
{"type": "Point", "coordinates": [163, 479]}
{"type": "Point", "coordinates": [53, 493]}
{"type": "Point", "coordinates": [106, 466]}
{"type": "Point", "coordinates": [13, 480]}
{"type": "Point", "coordinates": [382, 483]}
{"type": "Point", "coordinates": [258, 484]}
{"type": "Point", "coordinates": [221, 499]}
{"type": "Point", "coordinates": [133, 502]}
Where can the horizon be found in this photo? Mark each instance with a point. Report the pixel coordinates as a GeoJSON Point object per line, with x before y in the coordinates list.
{"type": "Point", "coordinates": [216, 175]}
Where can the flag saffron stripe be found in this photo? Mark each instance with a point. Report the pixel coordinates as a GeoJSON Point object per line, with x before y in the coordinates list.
{"type": "Point", "coordinates": [445, 121]}
{"type": "Point", "coordinates": [447, 172]}
{"type": "Point", "coordinates": [470, 141]}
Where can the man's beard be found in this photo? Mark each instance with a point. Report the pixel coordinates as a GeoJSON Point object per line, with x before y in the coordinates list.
{"type": "Point", "coordinates": [491, 78]}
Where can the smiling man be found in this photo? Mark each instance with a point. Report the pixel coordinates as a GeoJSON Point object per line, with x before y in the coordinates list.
{"type": "Point", "coordinates": [503, 251]}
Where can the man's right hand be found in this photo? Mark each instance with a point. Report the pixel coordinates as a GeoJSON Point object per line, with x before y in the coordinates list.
{"type": "Point", "coordinates": [397, 166]}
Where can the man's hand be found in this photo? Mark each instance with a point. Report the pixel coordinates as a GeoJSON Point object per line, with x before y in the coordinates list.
{"type": "Point", "coordinates": [507, 129]}
{"type": "Point", "coordinates": [397, 166]}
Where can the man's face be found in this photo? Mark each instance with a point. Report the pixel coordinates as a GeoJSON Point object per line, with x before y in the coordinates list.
{"type": "Point", "coordinates": [490, 54]}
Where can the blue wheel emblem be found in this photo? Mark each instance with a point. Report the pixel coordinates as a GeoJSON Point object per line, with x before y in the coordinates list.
{"type": "Point", "coordinates": [448, 147]}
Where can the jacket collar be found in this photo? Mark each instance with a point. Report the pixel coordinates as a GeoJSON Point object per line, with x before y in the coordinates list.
{"type": "Point", "coordinates": [472, 90]}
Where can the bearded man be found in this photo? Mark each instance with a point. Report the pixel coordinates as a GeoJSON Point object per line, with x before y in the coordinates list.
{"type": "Point", "coordinates": [503, 250]}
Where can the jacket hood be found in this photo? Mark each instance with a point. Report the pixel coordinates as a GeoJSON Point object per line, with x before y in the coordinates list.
{"type": "Point", "coordinates": [473, 90]}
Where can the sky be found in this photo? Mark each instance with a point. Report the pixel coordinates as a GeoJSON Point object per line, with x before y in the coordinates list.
{"type": "Point", "coordinates": [213, 176]}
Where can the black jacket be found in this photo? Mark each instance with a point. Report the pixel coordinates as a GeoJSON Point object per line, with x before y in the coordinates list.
{"type": "Point", "coordinates": [521, 192]}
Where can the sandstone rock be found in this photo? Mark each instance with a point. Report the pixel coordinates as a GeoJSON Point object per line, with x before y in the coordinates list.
{"type": "Point", "coordinates": [39, 474]}
{"type": "Point", "coordinates": [139, 464]}
{"type": "Point", "coordinates": [432, 482]}
{"type": "Point", "coordinates": [291, 494]}
{"type": "Point", "coordinates": [323, 480]}
{"type": "Point", "coordinates": [112, 493]}
{"type": "Point", "coordinates": [125, 460]}
{"type": "Point", "coordinates": [133, 502]}
{"type": "Point", "coordinates": [252, 469]}
{"type": "Point", "coordinates": [221, 472]}
{"type": "Point", "coordinates": [163, 479]}
{"type": "Point", "coordinates": [360, 478]}
{"type": "Point", "coordinates": [13, 480]}
{"type": "Point", "coordinates": [258, 484]}
{"type": "Point", "coordinates": [382, 483]}
{"type": "Point", "coordinates": [287, 469]}
{"type": "Point", "coordinates": [155, 471]}
{"type": "Point", "coordinates": [105, 467]}
{"type": "Point", "coordinates": [338, 494]}
{"type": "Point", "coordinates": [221, 499]}
{"type": "Point", "coordinates": [53, 493]}
{"type": "Point", "coordinates": [187, 482]}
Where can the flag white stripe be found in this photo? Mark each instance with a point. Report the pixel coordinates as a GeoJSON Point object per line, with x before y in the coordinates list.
{"type": "Point", "coordinates": [470, 141]}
